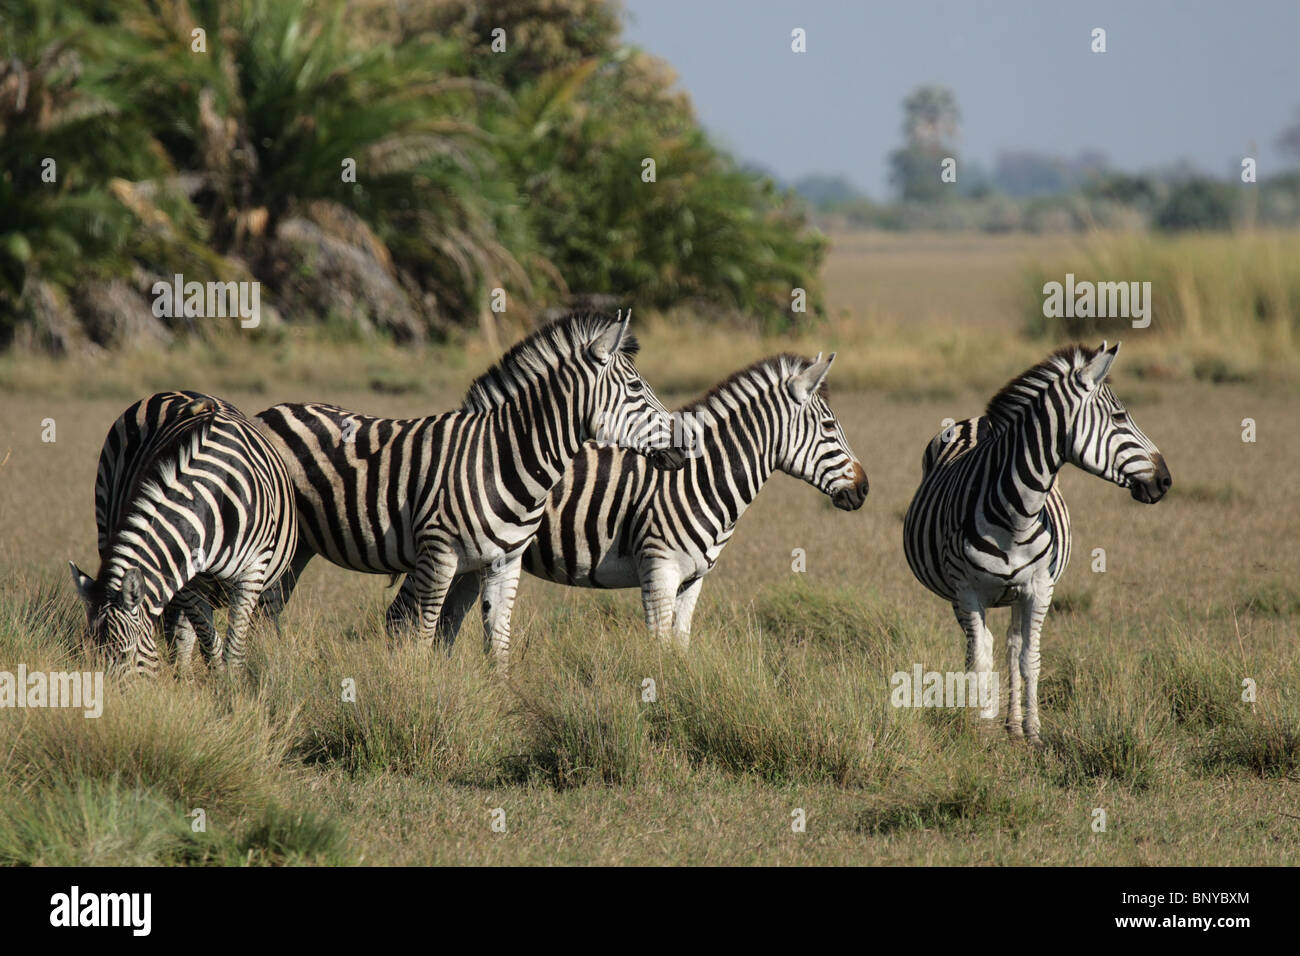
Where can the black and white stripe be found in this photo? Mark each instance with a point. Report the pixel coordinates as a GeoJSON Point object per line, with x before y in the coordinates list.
{"type": "Point", "coordinates": [987, 526]}
{"type": "Point", "coordinates": [464, 491]}
{"type": "Point", "coordinates": [192, 508]}
{"type": "Point", "coordinates": [613, 521]}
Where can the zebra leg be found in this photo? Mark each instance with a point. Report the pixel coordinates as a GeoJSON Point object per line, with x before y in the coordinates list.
{"type": "Point", "coordinates": [275, 597]}
{"type": "Point", "coordinates": [500, 584]}
{"type": "Point", "coordinates": [979, 650]}
{"type": "Point", "coordinates": [242, 602]}
{"type": "Point", "coordinates": [1014, 639]}
{"type": "Point", "coordinates": [686, 598]}
{"type": "Point", "coordinates": [402, 612]}
{"type": "Point", "coordinates": [1031, 628]}
{"type": "Point", "coordinates": [178, 632]}
{"type": "Point", "coordinates": [195, 612]}
{"type": "Point", "coordinates": [460, 598]}
{"type": "Point", "coordinates": [435, 567]}
{"type": "Point", "coordinates": [659, 584]}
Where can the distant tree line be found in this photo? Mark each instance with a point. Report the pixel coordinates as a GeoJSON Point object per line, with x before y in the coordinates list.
{"type": "Point", "coordinates": [1033, 191]}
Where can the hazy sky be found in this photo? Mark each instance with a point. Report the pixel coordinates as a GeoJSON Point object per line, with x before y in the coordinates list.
{"type": "Point", "coordinates": [1195, 80]}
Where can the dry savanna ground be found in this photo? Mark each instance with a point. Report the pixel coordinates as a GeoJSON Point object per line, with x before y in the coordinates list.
{"type": "Point", "coordinates": [782, 703]}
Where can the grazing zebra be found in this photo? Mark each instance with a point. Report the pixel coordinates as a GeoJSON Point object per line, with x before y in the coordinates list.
{"type": "Point", "coordinates": [988, 528]}
{"type": "Point", "coordinates": [464, 490]}
{"type": "Point", "coordinates": [615, 522]}
{"type": "Point", "coordinates": [192, 508]}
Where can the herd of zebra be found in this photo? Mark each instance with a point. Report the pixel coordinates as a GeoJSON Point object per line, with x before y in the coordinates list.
{"type": "Point", "coordinates": [563, 462]}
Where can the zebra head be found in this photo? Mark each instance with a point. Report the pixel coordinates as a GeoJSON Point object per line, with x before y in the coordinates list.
{"type": "Point", "coordinates": [815, 448]}
{"type": "Point", "coordinates": [119, 629]}
{"type": "Point", "coordinates": [1104, 440]}
{"type": "Point", "coordinates": [624, 408]}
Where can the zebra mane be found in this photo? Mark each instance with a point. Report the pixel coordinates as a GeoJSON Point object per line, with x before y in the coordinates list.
{"type": "Point", "coordinates": [1018, 394]}
{"type": "Point", "coordinates": [559, 339]}
{"type": "Point", "coordinates": [764, 373]}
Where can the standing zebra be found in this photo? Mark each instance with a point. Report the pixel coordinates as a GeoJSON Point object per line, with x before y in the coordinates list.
{"type": "Point", "coordinates": [988, 528]}
{"type": "Point", "coordinates": [192, 507]}
{"type": "Point", "coordinates": [465, 490]}
{"type": "Point", "coordinates": [615, 522]}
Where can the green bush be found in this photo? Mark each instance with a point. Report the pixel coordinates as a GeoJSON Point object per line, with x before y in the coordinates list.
{"type": "Point", "coordinates": [1196, 204]}
{"type": "Point", "coordinates": [473, 171]}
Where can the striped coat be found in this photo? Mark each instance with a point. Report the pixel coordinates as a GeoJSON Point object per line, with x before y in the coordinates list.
{"type": "Point", "coordinates": [192, 508]}
{"type": "Point", "coordinates": [614, 521]}
{"type": "Point", "coordinates": [987, 526]}
{"type": "Point", "coordinates": [463, 491]}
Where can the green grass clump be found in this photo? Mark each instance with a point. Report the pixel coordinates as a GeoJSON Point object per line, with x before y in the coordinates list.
{"type": "Point", "coordinates": [1275, 598]}
{"type": "Point", "coordinates": [964, 804]}
{"type": "Point", "coordinates": [1221, 493]}
{"type": "Point", "coordinates": [1111, 728]}
{"type": "Point", "coordinates": [281, 837]}
{"type": "Point", "coordinates": [184, 743]}
{"type": "Point", "coordinates": [1268, 746]}
{"type": "Point", "coordinates": [417, 711]}
{"type": "Point", "coordinates": [91, 822]}
{"type": "Point", "coordinates": [1201, 689]}
{"type": "Point", "coordinates": [589, 723]}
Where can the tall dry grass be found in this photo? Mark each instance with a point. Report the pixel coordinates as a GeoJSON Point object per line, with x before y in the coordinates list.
{"type": "Point", "coordinates": [1222, 304]}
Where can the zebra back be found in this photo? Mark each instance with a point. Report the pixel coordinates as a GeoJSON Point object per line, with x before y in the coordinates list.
{"type": "Point", "coordinates": [135, 440]}
{"type": "Point", "coordinates": [154, 443]}
{"type": "Point", "coordinates": [954, 441]}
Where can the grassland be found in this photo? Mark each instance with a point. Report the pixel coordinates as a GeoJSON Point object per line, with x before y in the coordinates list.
{"type": "Point", "coordinates": [782, 702]}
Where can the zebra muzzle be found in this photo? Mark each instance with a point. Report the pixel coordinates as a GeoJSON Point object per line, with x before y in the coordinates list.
{"type": "Point", "coordinates": [851, 497]}
{"type": "Point", "coordinates": [1152, 489]}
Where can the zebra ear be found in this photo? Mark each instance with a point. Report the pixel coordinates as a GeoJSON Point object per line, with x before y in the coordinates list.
{"type": "Point", "coordinates": [84, 582]}
{"type": "Point", "coordinates": [1098, 367]}
{"type": "Point", "coordinates": [804, 385]}
{"type": "Point", "coordinates": [132, 590]}
{"type": "Point", "coordinates": [608, 342]}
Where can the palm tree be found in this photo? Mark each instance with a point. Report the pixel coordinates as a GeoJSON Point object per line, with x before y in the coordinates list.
{"type": "Point", "coordinates": [930, 129]}
{"type": "Point", "coordinates": [285, 97]}
{"type": "Point", "coordinates": [63, 133]}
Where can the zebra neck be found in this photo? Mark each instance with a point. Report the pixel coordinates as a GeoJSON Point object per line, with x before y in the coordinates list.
{"type": "Point", "coordinates": [544, 435]}
{"type": "Point", "coordinates": [160, 585]}
{"type": "Point", "coordinates": [741, 452]}
{"type": "Point", "coordinates": [1027, 457]}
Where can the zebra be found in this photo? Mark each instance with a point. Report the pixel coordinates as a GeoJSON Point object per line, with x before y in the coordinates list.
{"type": "Point", "coordinates": [988, 527]}
{"type": "Point", "coordinates": [615, 522]}
{"type": "Point", "coordinates": [464, 490]}
{"type": "Point", "coordinates": [192, 508]}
